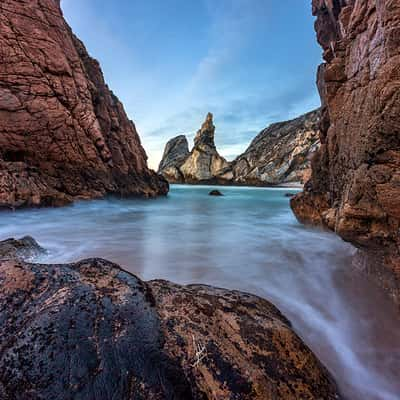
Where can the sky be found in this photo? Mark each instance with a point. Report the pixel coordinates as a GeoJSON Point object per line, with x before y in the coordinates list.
{"type": "Point", "coordinates": [249, 62]}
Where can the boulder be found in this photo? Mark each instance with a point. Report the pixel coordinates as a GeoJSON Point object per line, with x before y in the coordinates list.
{"type": "Point", "coordinates": [91, 330]}
{"type": "Point", "coordinates": [215, 193]}
{"type": "Point", "coordinates": [20, 249]}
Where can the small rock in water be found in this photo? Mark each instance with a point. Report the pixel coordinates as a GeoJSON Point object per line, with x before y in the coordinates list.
{"type": "Point", "coordinates": [20, 249]}
{"type": "Point", "coordinates": [290, 194]}
{"type": "Point", "coordinates": [215, 193]}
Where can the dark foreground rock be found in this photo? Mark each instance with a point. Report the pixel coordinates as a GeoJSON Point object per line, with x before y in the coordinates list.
{"type": "Point", "coordinates": [91, 330]}
{"type": "Point", "coordinates": [215, 193]}
{"type": "Point", "coordinates": [20, 249]}
{"type": "Point", "coordinates": [355, 184]}
{"type": "Point", "coordinates": [63, 134]}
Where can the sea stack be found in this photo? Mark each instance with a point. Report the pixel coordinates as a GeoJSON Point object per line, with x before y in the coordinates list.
{"type": "Point", "coordinates": [279, 154]}
{"type": "Point", "coordinates": [355, 185]}
{"type": "Point", "coordinates": [202, 164]}
{"type": "Point", "coordinates": [63, 135]}
{"type": "Point", "coordinates": [175, 154]}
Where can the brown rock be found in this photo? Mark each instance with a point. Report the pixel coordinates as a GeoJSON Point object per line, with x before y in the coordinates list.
{"type": "Point", "coordinates": [355, 184]}
{"type": "Point", "coordinates": [250, 351]}
{"type": "Point", "coordinates": [20, 249]}
{"type": "Point", "coordinates": [63, 133]}
{"type": "Point", "coordinates": [91, 330]}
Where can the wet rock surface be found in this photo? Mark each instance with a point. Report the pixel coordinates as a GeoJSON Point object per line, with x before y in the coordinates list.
{"type": "Point", "coordinates": [90, 330]}
{"type": "Point", "coordinates": [215, 193]}
{"type": "Point", "coordinates": [249, 348]}
{"type": "Point", "coordinates": [63, 134]}
{"type": "Point", "coordinates": [20, 249]}
{"type": "Point", "coordinates": [355, 184]}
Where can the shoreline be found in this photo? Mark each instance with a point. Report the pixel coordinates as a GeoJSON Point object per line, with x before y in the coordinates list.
{"type": "Point", "coordinates": [289, 185]}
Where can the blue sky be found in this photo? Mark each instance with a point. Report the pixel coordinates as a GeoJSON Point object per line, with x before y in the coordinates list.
{"type": "Point", "coordinates": [250, 62]}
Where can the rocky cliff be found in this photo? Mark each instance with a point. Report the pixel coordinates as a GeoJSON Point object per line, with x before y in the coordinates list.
{"type": "Point", "coordinates": [176, 152]}
{"type": "Point", "coordinates": [63, 133]}
{"type": "Point", "coordinates": [279, 154]}
{"type": "Point", "coordinates": [91, 330]}
{"type": "Point", "coordinates": [355, 184]}
{"type": "Point", "coordinates": [202, 164]}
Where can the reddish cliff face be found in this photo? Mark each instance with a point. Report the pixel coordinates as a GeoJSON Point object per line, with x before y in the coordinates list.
{"type": "Point", "coordinates": [355, 184]}
{"type": "Point", "coordinates": [63, 133]}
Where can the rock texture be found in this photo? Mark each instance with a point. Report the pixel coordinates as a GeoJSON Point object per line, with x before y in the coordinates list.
{"type": "Point", "coordinates": [279, 154]}
{"type": "Point", "coordinates": [355, 184]}
{"type": "Point", "coordinates": [63, 133]}
{"type": "Point", "coordinates": [202, 164]}
{"type": "Point", "coordinates": [90, 330]}
{"type": "Point", "coordinates": [176, 152]}
{"type": "Point", "coordinates": [20, 249]}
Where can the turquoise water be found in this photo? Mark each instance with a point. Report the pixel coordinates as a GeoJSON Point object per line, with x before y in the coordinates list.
{"type": "Point", "coordinates": [248, 240]}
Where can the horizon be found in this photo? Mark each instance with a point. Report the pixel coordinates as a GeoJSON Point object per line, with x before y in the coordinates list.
{"type": "Point", "coordinates": [207, 58]}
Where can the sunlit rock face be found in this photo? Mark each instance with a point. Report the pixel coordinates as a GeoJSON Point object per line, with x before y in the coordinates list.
{"type": "Point", "coordinates": [279, 154]}
{"type": "Point", "coordinates": [90, 330]}
{"type": "Point", "coordinates": [63, 133]}
{"type": "Point", "coordinates": [355, 184]}
{"type": "Point", "coordinates": [204, 162]}
{"type": "Point", "coordinates": [175, 154]}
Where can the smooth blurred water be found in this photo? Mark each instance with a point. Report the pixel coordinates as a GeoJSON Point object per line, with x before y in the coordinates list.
{"type": "Point", "coordinates": [246, 240]}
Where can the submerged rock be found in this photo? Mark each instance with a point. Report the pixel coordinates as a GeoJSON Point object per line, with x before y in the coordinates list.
{"type": "Point", "coordinates": [91, 330]}
{"type": "Point", "coordinates": [63, 134]}
{"type": "Point", "coordinates": [215, 193]}
{"type": "Point", "coordinates": [355, 184]}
